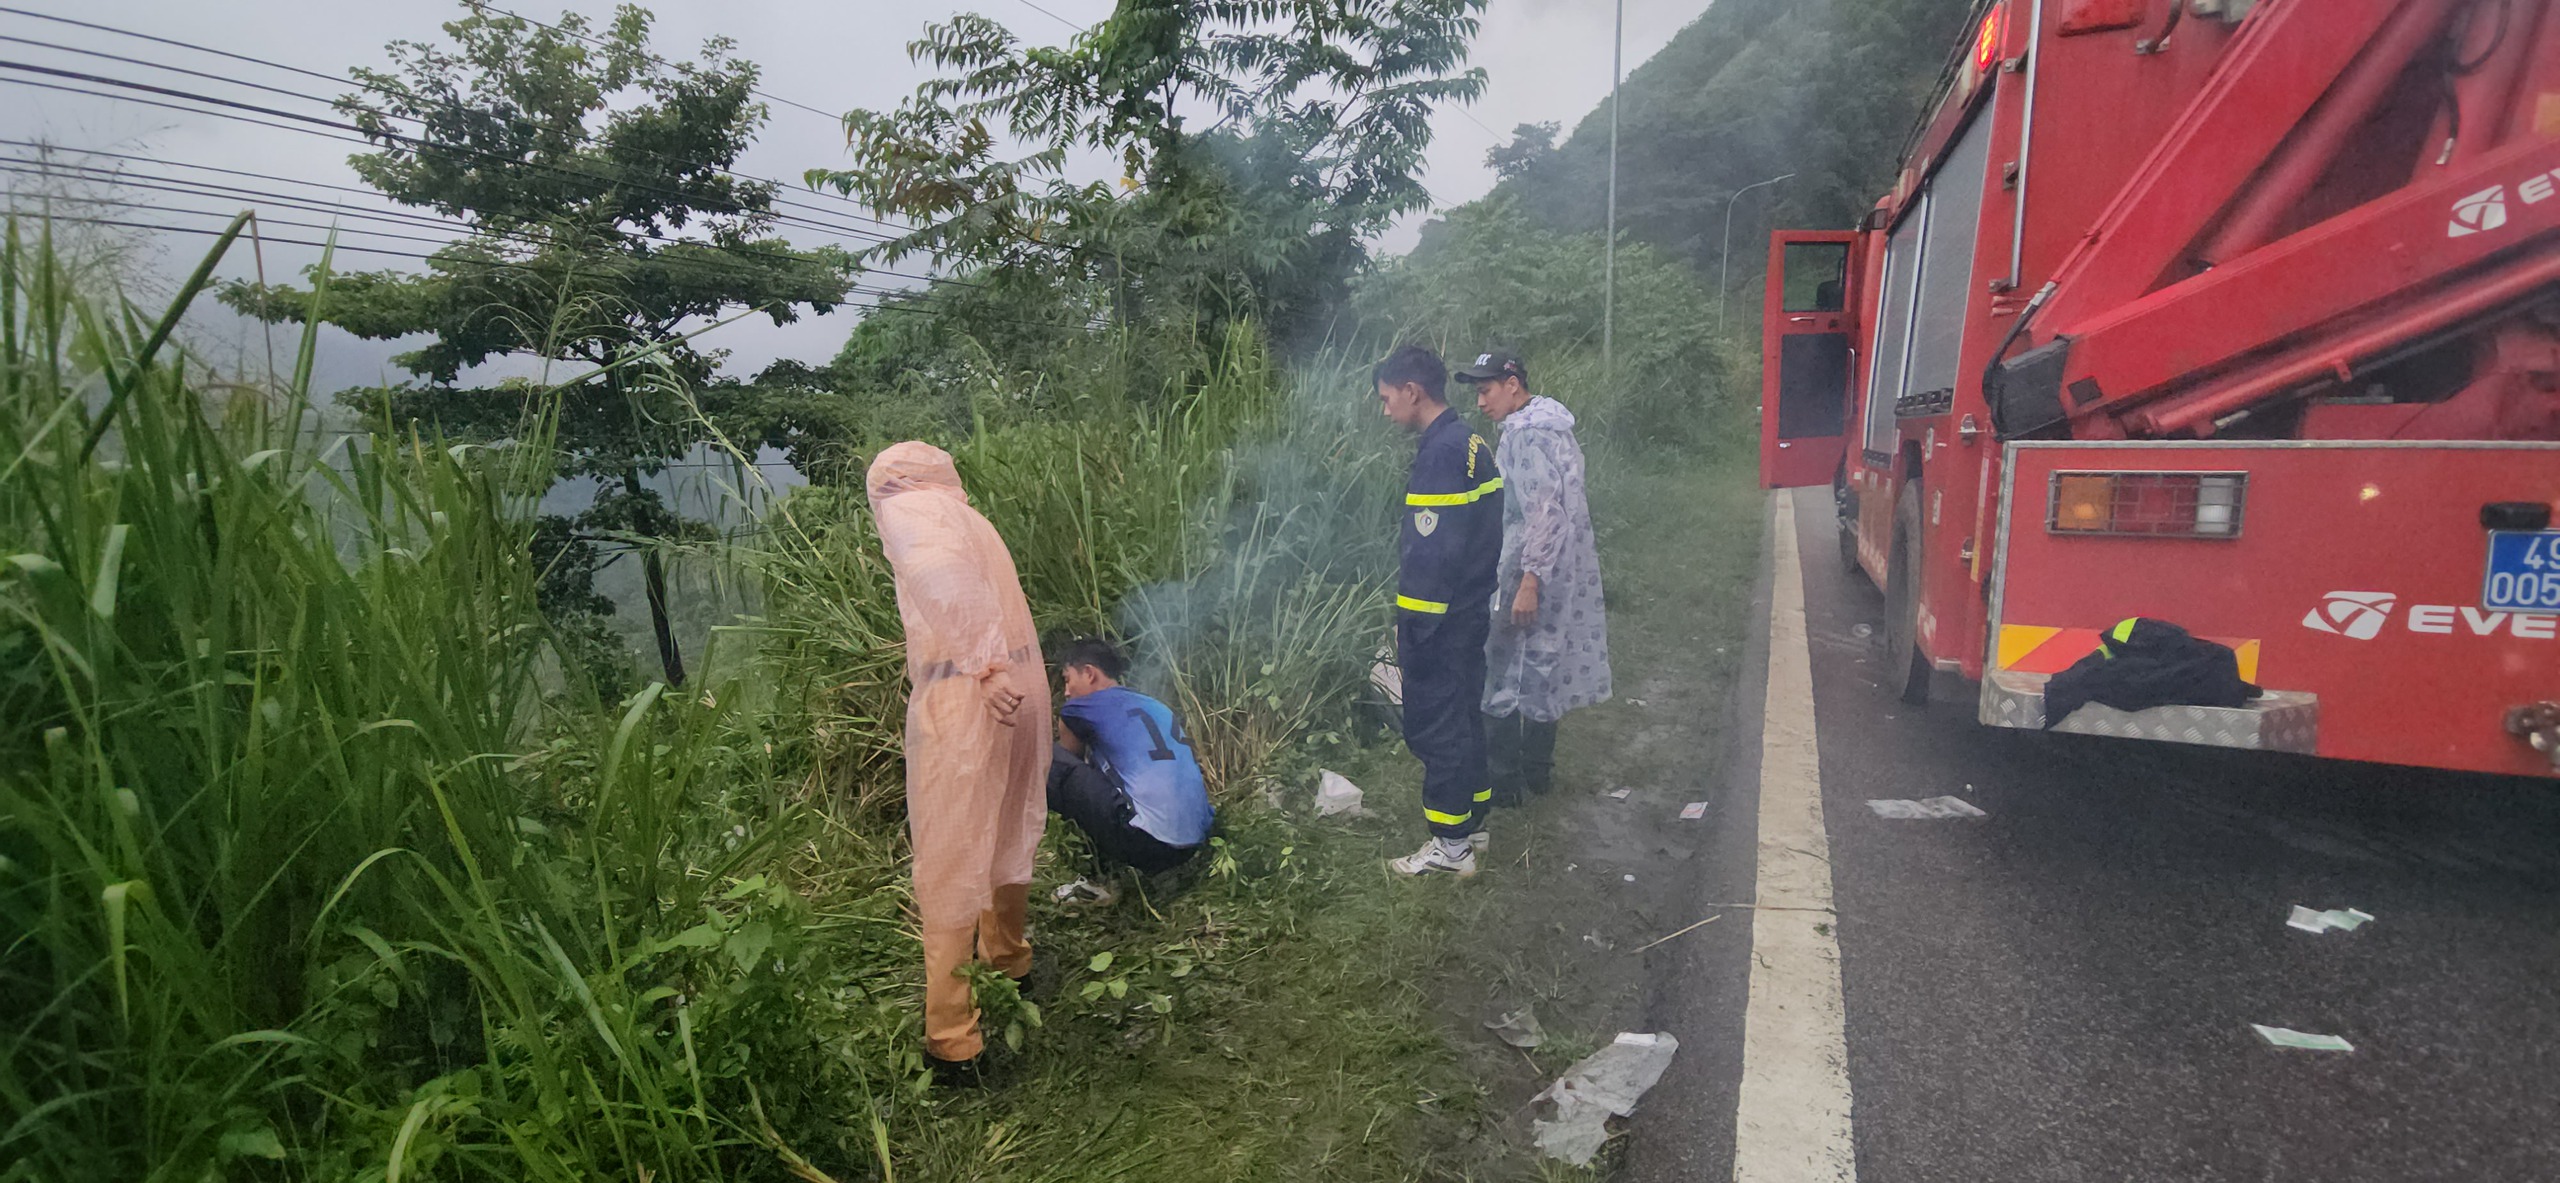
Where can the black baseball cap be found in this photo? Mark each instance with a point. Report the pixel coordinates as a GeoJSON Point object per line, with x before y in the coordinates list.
{"type": "Point", "coordinates": [1492, 364]}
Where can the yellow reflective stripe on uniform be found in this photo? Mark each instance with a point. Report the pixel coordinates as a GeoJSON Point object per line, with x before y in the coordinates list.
{"type": "Point", "coordinates": [1447, 819]}
{"type": "Point", "coordinates": [1483, 795]}
{"type": "Point", "coordinates": [1433, 607]}
{"type": "Point", "coordinates": [1476, 494]}
{"type": "Point", "coordinates": [2124, 631]}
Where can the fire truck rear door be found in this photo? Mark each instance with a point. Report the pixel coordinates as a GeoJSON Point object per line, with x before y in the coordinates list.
{"type": "Point", "coordinates": [1804, 358]}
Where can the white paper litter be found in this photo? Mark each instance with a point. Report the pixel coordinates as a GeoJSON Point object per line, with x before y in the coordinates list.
{"type": "Point", "coordinates": [1605, 1084]}
{"type": "Point", "coordinates": [1336, 794]}
{"type": "Point", "coordinates": [1388, 677]}
{"type": "Point", "coordinates": [1621, 794]}
{"type": "Point", "coordinates": [1926, 808]}
{"type": "Point", "coordinates": [2305, 1040]}
{"type": "Point", "coordinates": [1693, 811]}
{"type": "Point", "coordinates": [2342, 919]}
{"type": "Point", "coordinates": [1519, 1028]}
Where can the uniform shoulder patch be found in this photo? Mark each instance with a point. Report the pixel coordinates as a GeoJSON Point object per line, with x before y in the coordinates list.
{"type": "Point", "coordinates": [1475, 444]}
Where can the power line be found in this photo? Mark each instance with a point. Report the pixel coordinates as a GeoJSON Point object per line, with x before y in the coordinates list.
{"type": "Point", "coordinates": [907, 302]}
{"type": "Point", "coordinates": [377, 88]}
{"type": "Point", "coordinates": [328, 129]}
{"type": "Point", "coordinates": [192, 188]}
{"type": "Point", "coordinates": [1051, 15]}
{"type": "Point", "coordinates": [593, 40]}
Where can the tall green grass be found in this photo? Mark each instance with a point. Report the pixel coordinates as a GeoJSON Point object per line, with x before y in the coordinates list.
{"type": "Point", "coordinates": [322, 858]}
{"type": "Point", "coordinates": [313, 861]}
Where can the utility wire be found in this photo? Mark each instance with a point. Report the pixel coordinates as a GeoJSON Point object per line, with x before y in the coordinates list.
{"type": "Point", "coordinates": [377, 88]}
{"type": "Point", "coordinates": [907, 302]}
{"type": "Point", "coordinates": [833, 116]}
{"type": "Point", "coordinates": [1051, 15]}
{"type": "Point", "coordinates": [193, 188]}
{"type": "Point", "coordinates": [330, 129]}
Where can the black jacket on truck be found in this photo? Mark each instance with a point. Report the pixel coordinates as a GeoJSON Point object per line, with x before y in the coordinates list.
{"type": "Point", "coordinates": [1452, 525]}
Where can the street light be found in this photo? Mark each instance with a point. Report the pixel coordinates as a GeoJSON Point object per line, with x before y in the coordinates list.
{"type": "Point", "coordinates": [1609, 249]}
{"type": "Point", "coordinates": [1724, 257]}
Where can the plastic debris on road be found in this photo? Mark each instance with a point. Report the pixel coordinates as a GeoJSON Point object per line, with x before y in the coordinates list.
{"type": "Point", "coordinates": [1605, 1084]}
{"type": "Point", "coordinates": [1925, 808]}
{"type": "Point", "coordinates": [1693, 811]}
{"type": "Point", "coordinates": [1519, 1028]}
{"type": "Point", "coordinates": [2342, 919]}
{"type": "Point", "coordinates": [2305, 1040]}
{"type": "Point", "coordinates": [1336, 794]}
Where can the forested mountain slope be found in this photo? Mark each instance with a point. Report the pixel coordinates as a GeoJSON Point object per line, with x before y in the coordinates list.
{"type": "Point", "coordinates": [1825, 89]}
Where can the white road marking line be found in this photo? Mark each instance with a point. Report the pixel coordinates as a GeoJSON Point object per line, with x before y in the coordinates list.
{"type": "Point", "coordinates": [1792, 1123]}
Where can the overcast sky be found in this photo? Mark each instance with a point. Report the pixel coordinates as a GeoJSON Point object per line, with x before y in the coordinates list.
{"type": "Point", "coordinates": [1548, 60]}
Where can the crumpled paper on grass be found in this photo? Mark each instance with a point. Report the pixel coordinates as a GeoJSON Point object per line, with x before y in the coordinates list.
{"type": "Point", "coordinates": [1336, 794]}
{"type": "Point", "coordinates": [1519, 1028]}
{"type": "Point", "coordinates": [1605, 1084]}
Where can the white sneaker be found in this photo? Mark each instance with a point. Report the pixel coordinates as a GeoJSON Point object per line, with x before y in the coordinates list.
{"type": "Point", "coordinates": [1432, 860]}
{"type": "Point", "coordinates": [1479, 840]}
{"type": "Point", "coordinates": [1085, 891]}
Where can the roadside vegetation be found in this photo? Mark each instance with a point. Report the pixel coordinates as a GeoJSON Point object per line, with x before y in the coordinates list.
{"type": "Point", "coordinates": [338, 840]}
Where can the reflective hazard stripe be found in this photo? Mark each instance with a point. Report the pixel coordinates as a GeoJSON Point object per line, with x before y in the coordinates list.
{"type": "Point", "coordinates": [1469, 497]}
{"type": "Point", "coordinates": [1447, 819]}
{"type": "Point", "coordinates": [1483, 795]}
{"type": "Point", "coordinates": [2121, 632]}
{"type": "Point", "coordinates": [1433, 607]}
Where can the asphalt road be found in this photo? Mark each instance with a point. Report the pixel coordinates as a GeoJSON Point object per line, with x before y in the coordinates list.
{"type": "Point", "coordinates": [2063, 990]}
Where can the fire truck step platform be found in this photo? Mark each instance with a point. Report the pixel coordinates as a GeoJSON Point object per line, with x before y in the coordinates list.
{"type": "Point", "coordinates": [2282, 721]}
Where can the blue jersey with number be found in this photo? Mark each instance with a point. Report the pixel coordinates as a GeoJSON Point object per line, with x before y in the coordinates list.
{"type": "Point", "coordinates": [1135, 741]}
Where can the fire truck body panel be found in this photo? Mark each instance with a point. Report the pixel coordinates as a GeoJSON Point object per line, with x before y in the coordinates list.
{"type": "Point", "coordinates": [2348, 575]}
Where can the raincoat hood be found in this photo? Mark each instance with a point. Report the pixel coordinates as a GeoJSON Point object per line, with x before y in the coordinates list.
{"type": "Point", "coordinates": [912, 466]}
{"type": "Point", "coordinates": [1540, 414]}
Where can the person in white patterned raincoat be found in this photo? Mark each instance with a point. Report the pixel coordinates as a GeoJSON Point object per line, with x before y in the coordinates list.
{"type": "Point", "coordinates": [1549, 648]}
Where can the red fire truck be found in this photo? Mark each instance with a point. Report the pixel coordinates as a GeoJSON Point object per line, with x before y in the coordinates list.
{"type": "Point", "coordinates": [2240, 316]}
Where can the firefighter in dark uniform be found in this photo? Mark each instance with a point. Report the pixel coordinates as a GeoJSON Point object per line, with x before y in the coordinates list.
{"type": "Point", "coordinates": [1452, 541]}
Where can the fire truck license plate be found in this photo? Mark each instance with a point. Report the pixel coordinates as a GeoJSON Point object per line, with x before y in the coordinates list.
{"type": "Point", "coordinates": [2524, 572]}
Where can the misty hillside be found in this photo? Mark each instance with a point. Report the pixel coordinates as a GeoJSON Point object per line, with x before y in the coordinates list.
{"type": "Point", "coordinates": [1825, 89]}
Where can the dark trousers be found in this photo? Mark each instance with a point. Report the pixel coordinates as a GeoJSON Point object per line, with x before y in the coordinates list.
{"type": "Point", "coordinates": [1522, 752]}
{"type": "Point", "coordinates": [1080, 793]}
{"type": "Point", "coordinates": [1443, 660]}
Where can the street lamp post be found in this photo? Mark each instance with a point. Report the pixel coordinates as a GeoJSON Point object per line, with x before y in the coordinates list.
{"type": "Point", "coordinates": [1609, 248]}
{"type": "Point", "coordinates": [1724, 257]}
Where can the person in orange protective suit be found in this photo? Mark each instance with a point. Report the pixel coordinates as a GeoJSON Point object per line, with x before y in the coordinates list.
{"type": "Point", "coordinates": [977, 735]}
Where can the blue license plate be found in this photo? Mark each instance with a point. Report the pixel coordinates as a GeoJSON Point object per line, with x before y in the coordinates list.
{"type": "Point", "coordinates": [2524, 572]}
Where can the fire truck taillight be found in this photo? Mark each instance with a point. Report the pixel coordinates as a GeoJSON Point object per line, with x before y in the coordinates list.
{"type": "Point", "coordinates": [2148, 504]}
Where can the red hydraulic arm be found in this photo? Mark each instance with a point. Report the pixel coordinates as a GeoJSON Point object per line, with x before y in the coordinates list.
{"type": "Point", "coordinates": [2267, 243]}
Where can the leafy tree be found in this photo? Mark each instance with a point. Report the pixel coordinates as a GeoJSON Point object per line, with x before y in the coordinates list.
{"type": "Point", "coordinates": [1320, 117]}
{"type": "Point", "coordinates": [1530, 143]}
{"type": "Point", "coordinates": [604, 219]}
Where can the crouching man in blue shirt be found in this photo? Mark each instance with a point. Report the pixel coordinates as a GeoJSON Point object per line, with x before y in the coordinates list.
{"type": "Point", "coordinates": [1123, 772]}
